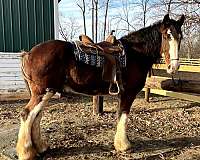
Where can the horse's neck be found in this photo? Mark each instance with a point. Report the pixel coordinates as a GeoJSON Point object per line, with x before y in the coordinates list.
{"type": "Point", "coordinates": [141, 63]}
{"type": "Point", "coordinates": [147, 56]}
{"type": "Point", "coordinates": [146, 41]}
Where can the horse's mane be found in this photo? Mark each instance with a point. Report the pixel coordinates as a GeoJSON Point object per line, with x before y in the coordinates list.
{"type": "Point", "coordinates": [146, 41]}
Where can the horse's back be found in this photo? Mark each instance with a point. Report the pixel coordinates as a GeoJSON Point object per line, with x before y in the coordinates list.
{"type": "Point", "coordinates": [50, 52]}
{"type": "Point", "coordinates": [50, 47]}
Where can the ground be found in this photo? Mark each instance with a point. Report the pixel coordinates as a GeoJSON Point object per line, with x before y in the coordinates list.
{"type": "Point", "coordinates": [166, 128]}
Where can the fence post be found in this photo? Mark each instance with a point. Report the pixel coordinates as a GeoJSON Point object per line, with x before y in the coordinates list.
{"type": "Point", "coordinates": [97, 105]}
{"type": "Point", "coordinates": [147, 93]}
{"type": "Point", "coordinates": [147, 90]}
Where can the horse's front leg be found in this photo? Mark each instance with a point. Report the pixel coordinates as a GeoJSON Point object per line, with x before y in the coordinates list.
{"type": "Point", "coordinates": [26, 149]}
{"type": "Point", "coordinates": [121, 141]}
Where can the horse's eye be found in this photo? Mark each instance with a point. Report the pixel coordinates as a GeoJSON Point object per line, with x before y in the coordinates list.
{"type": "Point", "coordinates": [169, 36]}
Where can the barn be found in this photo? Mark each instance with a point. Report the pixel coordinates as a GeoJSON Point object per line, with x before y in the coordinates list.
{"type": "Point", "coordinates": [23, 24]}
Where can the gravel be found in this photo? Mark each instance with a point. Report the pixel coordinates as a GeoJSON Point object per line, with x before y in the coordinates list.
{"type": "Point", "coordinates": [165, 128]}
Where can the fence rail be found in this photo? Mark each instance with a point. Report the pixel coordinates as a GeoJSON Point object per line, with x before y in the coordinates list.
{"type": "Point", "coordinates": [188, 66]}
{"type": "Point", "coordinates": [186, 61]}
{"type": "Point", "coordinates": [191, 62]}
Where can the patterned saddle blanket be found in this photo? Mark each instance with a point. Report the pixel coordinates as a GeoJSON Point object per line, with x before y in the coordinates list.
{"type": "Point", "coordinates": [93, 57]}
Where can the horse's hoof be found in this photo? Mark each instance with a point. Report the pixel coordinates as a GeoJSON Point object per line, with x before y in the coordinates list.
{"type": "Point", "coordinates": [26, 154]}
{"type": "Point", "coordinates": [43, 154]}
{"type": "Point", "coordinates": [43, 147]}
{"type": "Point", "coordinates": [122, 146]}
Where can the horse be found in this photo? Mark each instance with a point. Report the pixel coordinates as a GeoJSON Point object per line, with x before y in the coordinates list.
{"type": "Point", "coordinates": [51, 67]}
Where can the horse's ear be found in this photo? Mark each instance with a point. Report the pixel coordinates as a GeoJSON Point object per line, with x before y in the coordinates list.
{"type": "Point", "coordinates": [165, 23]}
{"type": "Point", "coordinates": [166, 19]}
{"type": "Point", "coordinates": [181, 20]}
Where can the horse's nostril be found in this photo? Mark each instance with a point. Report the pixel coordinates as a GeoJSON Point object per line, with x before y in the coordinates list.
{"type": "Point", "coordinates": [169, 66]}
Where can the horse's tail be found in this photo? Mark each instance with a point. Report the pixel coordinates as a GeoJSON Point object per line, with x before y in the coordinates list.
{"type": "Point", "coordinates": [24, 58]}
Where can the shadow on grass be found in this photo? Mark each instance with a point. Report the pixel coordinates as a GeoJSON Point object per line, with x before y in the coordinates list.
{"type": "Point", "coordinates": [149, 149]}
{"type": "Point", "coordinates": [151, 145]}
{"type": "Point", "coordinates": [189, 106]}
{"type": "Point", "coordinates": [157, 149]}
{"type": "Point", "coordinates": [74, 151]}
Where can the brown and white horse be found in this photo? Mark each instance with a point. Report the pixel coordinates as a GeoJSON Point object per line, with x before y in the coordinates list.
{"type": "Point", "coordinates": [52, 67]}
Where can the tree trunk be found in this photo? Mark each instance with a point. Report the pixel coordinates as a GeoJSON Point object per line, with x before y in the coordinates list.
{"type": "Point", "coordinates": [105, 20]}
{"type": "Point", "coordinates": [82, 7]}
{"type": "Point", "coordinates": [96, 20]}
{"type": "Point", "coordinates": [169, 7]}
{"type": "Point", "coordinates": [93, 20]}
{"type": "Point", "coordinates": [84, 21]}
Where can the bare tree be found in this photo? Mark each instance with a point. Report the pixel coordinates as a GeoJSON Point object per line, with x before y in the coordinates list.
{"type": "Point", "coordinates": [169, 6]}
{"type": "Point", "coordinates": [93, 20]}
{"type": "Point", "coordinates": [144, 4]}
{"type": "Point", "coordinates": [145, 7]}
{"type": "Point", "coordinates": [69, 29]}
{"type": "Point", "coordinates": [122, 20]}
{"type": "Point", "coordinates": [82, 7]}
{"type": "Point", "coordinates": [105, 19]}
{"type": "Point", "coordinates": [191, 10]}
{"type": "Point", "coordinates": [125, 7]}
{"type": "Point", "coordinates": [96, 19]}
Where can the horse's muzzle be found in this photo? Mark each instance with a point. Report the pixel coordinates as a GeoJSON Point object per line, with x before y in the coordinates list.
{"type": "Point", "coordinates": [173, 67]}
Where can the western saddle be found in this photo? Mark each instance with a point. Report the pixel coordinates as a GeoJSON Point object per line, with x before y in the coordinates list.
{"type": "Point", "coordinates": [111, 68]}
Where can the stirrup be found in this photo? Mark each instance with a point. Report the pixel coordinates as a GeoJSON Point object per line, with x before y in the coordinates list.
{"type": "Point", "coordinates": [118, 89]}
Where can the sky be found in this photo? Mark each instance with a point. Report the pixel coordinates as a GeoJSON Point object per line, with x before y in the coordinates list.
{"type": "Point", "coordinates": [68, 9]}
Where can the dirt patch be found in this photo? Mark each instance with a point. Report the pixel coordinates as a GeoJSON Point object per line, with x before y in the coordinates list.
{"type": "Point", "coordinates": [165, 128]}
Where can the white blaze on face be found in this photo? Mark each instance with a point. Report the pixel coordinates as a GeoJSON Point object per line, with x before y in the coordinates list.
{"type": "Point", "coordinates": [173, 51]}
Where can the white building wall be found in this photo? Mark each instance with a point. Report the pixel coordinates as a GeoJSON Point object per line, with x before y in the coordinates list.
{"type": "Point", "coordinates": [10, 74]}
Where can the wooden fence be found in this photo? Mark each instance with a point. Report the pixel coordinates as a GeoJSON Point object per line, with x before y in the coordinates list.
{"type": "Point", "coordinates": [189, 72]}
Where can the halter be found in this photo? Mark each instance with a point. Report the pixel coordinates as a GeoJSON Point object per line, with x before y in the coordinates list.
{"type": "Point", "coordinates": [174, 59]}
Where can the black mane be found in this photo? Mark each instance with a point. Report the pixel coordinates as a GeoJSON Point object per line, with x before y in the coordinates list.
{"type": "Point", "coordinates": [144, 42]}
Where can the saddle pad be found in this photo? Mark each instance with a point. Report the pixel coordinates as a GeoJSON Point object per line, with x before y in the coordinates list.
{"type": "Point", "coordinates": [93, 58]}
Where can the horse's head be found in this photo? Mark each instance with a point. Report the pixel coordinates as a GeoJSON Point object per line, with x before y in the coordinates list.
{"type": "Point", "coordinates": [171, 39]}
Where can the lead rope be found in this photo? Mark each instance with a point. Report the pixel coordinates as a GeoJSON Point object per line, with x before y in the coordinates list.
{"type": "Point", "coordinates": [179, 83]}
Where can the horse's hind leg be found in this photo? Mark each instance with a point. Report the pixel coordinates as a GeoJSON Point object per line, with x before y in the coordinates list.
{"type": "Point", "coordinates": [25, 147]}
{"type": "Point", "coordinates": [40, 144]}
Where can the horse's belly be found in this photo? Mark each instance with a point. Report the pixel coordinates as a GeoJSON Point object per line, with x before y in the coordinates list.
{"type": "Point", "coordinates": [86, 90]}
